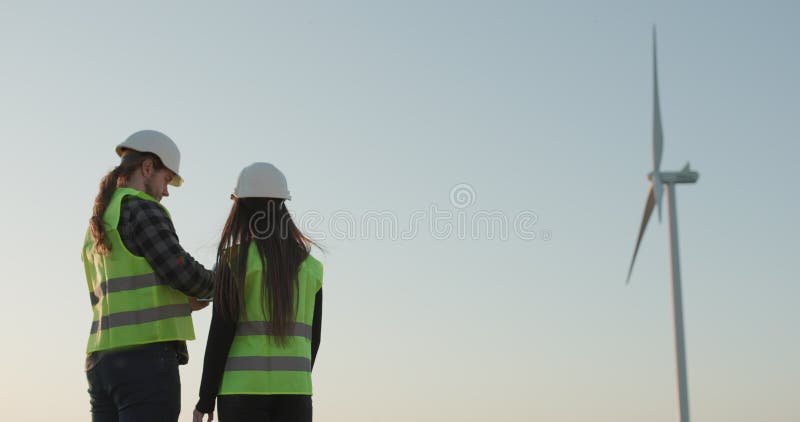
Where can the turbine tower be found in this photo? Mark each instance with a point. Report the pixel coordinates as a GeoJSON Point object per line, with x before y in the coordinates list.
{"type": "Point", "coordinates": [659, 178]}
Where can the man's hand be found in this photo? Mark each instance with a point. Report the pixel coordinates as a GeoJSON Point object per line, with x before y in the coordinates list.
{"type": "Point", "coordinates": [198, 416]}
{"type": "Point", "coordinates": [197, 305]}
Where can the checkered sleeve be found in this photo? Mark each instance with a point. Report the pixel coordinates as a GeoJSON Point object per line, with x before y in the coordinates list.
{"type": "Point", "coordinates": [152, 233]}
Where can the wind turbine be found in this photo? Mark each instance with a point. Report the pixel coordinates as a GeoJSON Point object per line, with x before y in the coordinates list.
{"type": "Point", "coordinates": [657, 179]}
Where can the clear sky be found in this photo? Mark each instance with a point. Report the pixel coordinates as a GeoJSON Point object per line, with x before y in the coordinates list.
{"type": "Point", "coordinates": [525, 108]}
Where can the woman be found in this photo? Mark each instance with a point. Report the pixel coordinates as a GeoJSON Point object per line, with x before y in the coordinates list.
{"type": "Point", "coordinates": [265, 328]}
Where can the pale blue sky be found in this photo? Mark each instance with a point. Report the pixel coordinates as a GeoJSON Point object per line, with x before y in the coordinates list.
{"type": "Point", "coordinates": [539, 106]}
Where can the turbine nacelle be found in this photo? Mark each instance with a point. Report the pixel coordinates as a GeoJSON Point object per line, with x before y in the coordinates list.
{"type": "Point", "coordinates": [686, 175]}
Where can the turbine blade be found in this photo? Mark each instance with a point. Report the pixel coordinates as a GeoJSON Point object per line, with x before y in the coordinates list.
{"type": "Point", "coordinates": [658, 131]}
{"type": "Point", "coordinates": [648, 209]}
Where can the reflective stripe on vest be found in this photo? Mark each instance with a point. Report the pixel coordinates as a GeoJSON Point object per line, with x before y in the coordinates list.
{"type": "Point", "coordinates": [120, 319]}
{"type": "Point", "coordinates": [264, 328]}
{"type": "Point", "coordinates": [130, 304]}
{"type": "Point", "coordinates": [256, 364]}
{"type": "Point", "coordinates": [123, 283]}
{"type": "Point", "coordinates": [268, 363]}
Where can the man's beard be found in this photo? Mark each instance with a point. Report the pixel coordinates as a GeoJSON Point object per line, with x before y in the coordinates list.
{"type": "Point", "coordinates": [148, 189]}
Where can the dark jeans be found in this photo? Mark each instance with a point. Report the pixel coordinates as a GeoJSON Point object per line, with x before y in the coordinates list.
{"type": "Point", "coordinates": [137, 384]}
{"type": "Point", "coordinates": [274, 408]}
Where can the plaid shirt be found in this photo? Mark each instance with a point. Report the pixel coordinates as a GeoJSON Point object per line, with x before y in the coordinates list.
{"type": "Point", "coordinates": [147, 231]}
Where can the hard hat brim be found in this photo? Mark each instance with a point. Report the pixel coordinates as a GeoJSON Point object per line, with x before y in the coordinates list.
{"type": "Point", "coordinates": [176, 181]}
{"type": "Point", "coordinates": [286, 197]}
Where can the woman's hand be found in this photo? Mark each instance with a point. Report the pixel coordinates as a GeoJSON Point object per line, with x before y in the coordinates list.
{"type": "Point", "coordinates": [197, 304]}
{"type": "Point", "coordinates": [198, 416]}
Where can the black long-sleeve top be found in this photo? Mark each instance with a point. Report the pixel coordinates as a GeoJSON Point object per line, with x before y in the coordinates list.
{"type": "Point", "coordinates": [220, 338]}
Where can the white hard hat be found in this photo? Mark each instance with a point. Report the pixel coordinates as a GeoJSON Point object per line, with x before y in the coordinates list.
{"type": "Point", "coordinates": [261, 180]}
{"type": "Point", "coordinates": [159, 144]}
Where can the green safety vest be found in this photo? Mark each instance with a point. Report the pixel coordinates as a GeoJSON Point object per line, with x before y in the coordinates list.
{"type": "Point", "coordinates": [256, 364]}
{"type": "Point", "coordinates": [130, 304]}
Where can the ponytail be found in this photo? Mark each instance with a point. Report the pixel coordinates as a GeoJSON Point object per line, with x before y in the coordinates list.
{"type": "Point", "coordinates": [107, 187]}
{"type": "Point", "coordinates": [131, 160]}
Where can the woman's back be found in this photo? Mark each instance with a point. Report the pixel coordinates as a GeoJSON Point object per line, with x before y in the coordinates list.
{"type": "Point", "coordinates": [266, 324]}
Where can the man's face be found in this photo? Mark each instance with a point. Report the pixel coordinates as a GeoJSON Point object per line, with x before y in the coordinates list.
{"type": "Point", "coordinates": [156, 184]}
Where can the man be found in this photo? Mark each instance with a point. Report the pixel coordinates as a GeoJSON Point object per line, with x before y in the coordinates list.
{"type": "Point", "coordinates": [142, 286]}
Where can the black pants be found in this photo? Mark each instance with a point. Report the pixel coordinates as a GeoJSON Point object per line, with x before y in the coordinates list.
{"type": "Point", "coordinates": [275, 408]}
{"type": "Point", "coordinates": [139, 384]}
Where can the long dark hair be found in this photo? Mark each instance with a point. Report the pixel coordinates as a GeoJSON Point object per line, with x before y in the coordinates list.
{"type": "Point", "coordinates": [131, 160]}
{"type": "Point", "coordinates": [267, 223]}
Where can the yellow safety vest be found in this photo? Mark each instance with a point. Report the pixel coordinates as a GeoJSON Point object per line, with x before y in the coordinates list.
{"type": "Point", "coordinates": [130, 304]}
{"type": "Point", "coordinates": [256, 364]}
